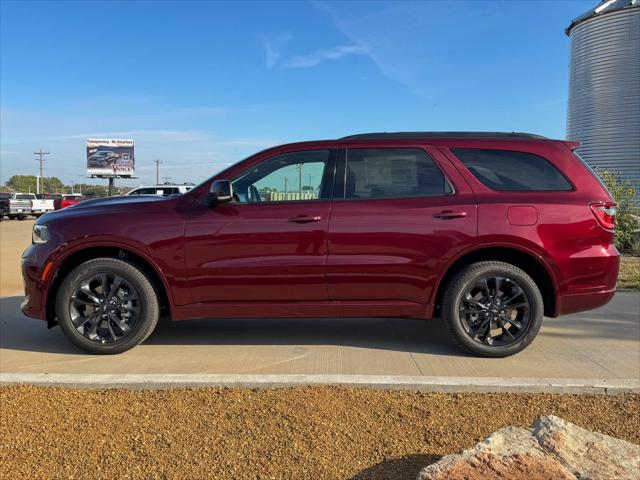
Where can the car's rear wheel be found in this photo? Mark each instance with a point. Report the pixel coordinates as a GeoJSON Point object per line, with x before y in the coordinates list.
{"type": "Point", "coordinates": [492, 309]}
{"type": "Point", "coordinates": [107, 306]}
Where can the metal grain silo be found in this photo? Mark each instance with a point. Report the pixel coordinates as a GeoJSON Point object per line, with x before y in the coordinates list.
{"type": "Point", "coordinates": [604, 86]}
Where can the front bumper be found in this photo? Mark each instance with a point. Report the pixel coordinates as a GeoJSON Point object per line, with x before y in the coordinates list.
{"type": "Point", "coordinates": [34, 260]}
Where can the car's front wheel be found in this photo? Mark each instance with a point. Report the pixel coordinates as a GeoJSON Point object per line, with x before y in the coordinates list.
{"type": "Point", "coordinates": [107, 306]}
{"type": "Point", "coordinates": [492, 309]}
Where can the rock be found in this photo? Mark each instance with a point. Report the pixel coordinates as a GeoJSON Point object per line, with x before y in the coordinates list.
{"type": "Point", "coordinates": [552, 449]}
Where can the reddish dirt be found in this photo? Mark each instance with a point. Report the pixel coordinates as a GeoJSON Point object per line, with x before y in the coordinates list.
{"type": "Point", "coordinates": [312, 432]}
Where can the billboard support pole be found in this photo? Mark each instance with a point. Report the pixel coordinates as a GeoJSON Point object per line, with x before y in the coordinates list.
{"type": "Point", "coordinates": [110, 188]}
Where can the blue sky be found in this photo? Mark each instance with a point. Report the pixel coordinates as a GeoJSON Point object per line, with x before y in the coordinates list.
{"type": "Point", "coordinates": [203, 84]}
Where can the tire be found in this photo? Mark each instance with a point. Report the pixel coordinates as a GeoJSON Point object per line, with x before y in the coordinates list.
{"type": "Point", "coordinates": [105, 337]}
{"type": "Point", "coordinates": [12, 217]}
{"type": "Point", "coordinates": [465, 315]}
{"type": "Point", "coordinates": [21, 217]}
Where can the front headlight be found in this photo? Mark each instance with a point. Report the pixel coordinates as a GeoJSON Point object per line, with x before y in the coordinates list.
{"type": "Point", "coordinates": [40, 234]}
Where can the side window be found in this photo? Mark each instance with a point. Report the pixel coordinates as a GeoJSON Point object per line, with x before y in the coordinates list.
{"type": "Point", "coordinates": [291, 177]}
{"type": "Point", "coordinates": [512, 171]}
{"type": "Point", "coordinates": [392, 173]}
{"type": "Point", "coordinates": [144, 191]}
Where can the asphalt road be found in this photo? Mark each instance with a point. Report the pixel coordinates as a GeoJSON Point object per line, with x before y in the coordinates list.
{"type": "Point", "coordinates": [601, 344]}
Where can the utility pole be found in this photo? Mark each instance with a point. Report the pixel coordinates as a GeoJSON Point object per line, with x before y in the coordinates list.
{"type": "Point", "coordinates": [157, 162]}
{"type": "Point", "coordinates": [300, 180]}
{"type": "Point", "coordinates": [41, 155]}
{"type": "Point", "coordinates": [166, 179]}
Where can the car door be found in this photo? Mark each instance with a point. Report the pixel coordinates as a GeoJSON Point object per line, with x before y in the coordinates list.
{"type": "Point", "coordinates": [398, 216]}
{"type": "Point", "coordinates": [270, 243]}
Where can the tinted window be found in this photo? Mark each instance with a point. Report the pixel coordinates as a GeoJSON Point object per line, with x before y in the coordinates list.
{"type": "Point", "coordinates": [144, 191]}
{"type": "Point", "coordinates": [24, 197]}
{"type": "Point", "coordinates": [392, 172]}
{"type": "Point", "coordinates": [512, 171]}
{"type": "Point", "coordinates": [285, 178]}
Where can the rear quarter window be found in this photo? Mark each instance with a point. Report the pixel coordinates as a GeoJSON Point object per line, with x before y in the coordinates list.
{"type": "Point", "coordinates": [511, 171]}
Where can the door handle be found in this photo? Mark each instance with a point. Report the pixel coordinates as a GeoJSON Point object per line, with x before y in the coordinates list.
{"type": "Point", "coordinates": [305, 219]}
{"type": "Point", "coordinates": [449, 215]}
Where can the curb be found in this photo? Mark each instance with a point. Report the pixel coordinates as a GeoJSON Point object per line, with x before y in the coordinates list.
{"type": "Point", "coordinates": [416, 383]}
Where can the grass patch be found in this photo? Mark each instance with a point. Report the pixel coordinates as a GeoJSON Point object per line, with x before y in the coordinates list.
{"type": "Point", "coordinates": [629, 276]}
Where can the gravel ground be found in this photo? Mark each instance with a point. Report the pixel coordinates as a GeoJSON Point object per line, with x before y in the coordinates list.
{"type": "Point", "coordinates": [308, 432]}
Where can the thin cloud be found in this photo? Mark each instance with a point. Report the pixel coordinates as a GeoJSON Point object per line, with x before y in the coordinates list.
{"type": "Point", "coordinates": [274, 57]}
{"type": "Point", "coordinates": [316, 58]}
{"type": "Point", "coordinates": [273, 46]}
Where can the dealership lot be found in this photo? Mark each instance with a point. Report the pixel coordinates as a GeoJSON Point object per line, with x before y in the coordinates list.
{"type": "Point", "coordinates": [603, 344]}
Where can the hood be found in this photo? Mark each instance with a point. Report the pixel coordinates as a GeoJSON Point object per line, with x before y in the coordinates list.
{"type": "Point", "coordinates": [118, 200]}
{"type": "Point", "coordinates": [103, 205]}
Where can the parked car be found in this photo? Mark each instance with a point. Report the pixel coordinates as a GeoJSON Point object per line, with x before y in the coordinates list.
{"type": "Point", "coordinates": [56, 198]}
{"type": "Point", "coordinates": [40, 205]}
{"type": "Point", "coordinates": [19, 205]}
{"type": "Point", "coordinates": [72, 199]}
{"type": "Point", "coordinates": [4, 205]}
{"type": "Point", "coordinates": [102, 159]}
{"type": "Point", "coordinates": [162, 190]}
{"type": "Point", "coordinates": [489, 231]}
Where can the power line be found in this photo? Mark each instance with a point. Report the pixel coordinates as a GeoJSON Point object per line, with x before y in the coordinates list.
{"type": "Point", "coordinates": [40, 180]}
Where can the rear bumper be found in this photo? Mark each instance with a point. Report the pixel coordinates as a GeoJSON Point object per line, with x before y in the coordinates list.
{"type": "Point", "coordinates": [580, 302]}
{"type": "Point", "coordinates": [590, 281]}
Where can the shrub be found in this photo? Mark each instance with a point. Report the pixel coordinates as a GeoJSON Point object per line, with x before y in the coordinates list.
{"type": "Point", "coordinates": [627, 218]}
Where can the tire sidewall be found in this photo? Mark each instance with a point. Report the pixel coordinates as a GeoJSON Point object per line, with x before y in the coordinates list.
{"type": "Point", "coordinates": [462, 282]}
{"type": "Point", "coordinates": [149, 308]}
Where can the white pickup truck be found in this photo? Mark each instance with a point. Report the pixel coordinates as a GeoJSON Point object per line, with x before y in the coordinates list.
{"type": "Point", "coordinates": [40, 205]}
{"type": "Point", "coordinates": [19, 205]}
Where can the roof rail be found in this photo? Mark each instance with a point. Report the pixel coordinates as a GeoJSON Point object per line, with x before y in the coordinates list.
{"type": "Point", "coordinates": [400, 135]}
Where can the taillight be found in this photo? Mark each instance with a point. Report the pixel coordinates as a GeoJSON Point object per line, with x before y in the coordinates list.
{"type": "Point", "coordinates": [605, 213]}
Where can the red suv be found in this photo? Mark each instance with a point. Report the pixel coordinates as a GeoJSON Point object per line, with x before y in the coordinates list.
{"type": "Point", "coordinates": [489, 231]}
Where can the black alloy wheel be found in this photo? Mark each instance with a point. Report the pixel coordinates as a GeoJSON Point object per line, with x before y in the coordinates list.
{"type": "Point", "coordinates": [495, 311]}
{"type": "Point", "coordinates": [107, 305]}
{"type": "Point", "coordinates": [104, 308]}
{"type": "Point", "coordinates": [492, 309]}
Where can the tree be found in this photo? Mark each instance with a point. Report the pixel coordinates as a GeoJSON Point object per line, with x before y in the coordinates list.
{"type": "Point", "coordinates": [89, 189]}
{"type": "Point", "coordinates": [52, 185]}
{"type": "Point", "coordinates": [28, 183]}
{"type": "Point", "coordinates": [627, 218]}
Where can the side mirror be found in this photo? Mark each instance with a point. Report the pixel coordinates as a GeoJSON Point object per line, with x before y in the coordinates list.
{"type": "Point", "coordinates": [221, 192]}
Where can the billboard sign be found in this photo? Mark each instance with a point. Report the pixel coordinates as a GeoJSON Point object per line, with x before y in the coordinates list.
{"type": "Point", "coordinates": [110, 157]}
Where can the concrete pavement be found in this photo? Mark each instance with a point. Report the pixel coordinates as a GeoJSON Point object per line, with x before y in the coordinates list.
{"type": "Point", "coordinates": [602, 344]}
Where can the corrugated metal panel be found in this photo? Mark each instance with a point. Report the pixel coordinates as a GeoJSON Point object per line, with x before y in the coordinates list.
{"type": "Point", "coordinates": [604, 90]}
